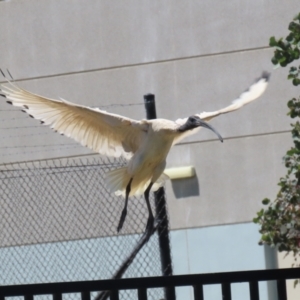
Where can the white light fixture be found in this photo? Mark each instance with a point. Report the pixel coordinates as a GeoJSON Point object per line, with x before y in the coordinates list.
{"type": "Point", "coordinates": [180, 172]}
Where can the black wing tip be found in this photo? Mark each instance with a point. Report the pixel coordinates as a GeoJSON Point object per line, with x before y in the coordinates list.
{"type": "Point", "coordinates": [266, 75]}
{"type": "Point", "coordinates": [2, 73]}
{"type": "Point", "coordinates": [10, 74]}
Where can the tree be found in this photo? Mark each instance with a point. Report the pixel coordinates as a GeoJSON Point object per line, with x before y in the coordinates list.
{"type": "Point", "coordinates": [280, 220]}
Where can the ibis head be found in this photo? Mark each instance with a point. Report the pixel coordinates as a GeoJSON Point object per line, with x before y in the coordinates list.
{"type": "Point", "coordinates": [194, 122]}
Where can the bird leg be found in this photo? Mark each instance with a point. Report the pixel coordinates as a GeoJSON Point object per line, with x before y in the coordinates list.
{"type": "Point", "coordinates": [150, 222]}
{"type": "Point", "coordinates": [124, 211]}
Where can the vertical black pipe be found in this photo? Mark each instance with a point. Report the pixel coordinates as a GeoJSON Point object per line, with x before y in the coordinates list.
{"type": "Point", "coordinates": [85, 295]}
{"type": "Point", "coordinates": [28, 297]}
{"type": "Point", "coordinates": [114, 295]}
{"type": "Point", "coordinates": [226, 291]}
{"type": "Point", "coordinates": [142, 294]}
{"type": "Point", "coordinates": [254, 291]}
{"type": "Point", "coordinates": [198, 292]}
{"type": "Point", "coordinates": [161, 213]}
{"type": "Point", "coordinates": [281, 289]}
{"type": "Point", "coordinates": [149, 100]}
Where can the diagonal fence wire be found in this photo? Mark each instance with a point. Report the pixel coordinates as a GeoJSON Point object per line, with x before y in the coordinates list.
{"type": "Point", "coordinates": [58, 223]}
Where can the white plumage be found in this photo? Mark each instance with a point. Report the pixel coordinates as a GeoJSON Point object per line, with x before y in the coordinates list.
{"type": "Point", "coordinates": [145, 143]}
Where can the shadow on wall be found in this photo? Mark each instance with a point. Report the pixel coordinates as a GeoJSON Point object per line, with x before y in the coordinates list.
{"type": "Point", "coordinates": [186, 187]}
{"type": "Point", "coordinates": [271, 263]}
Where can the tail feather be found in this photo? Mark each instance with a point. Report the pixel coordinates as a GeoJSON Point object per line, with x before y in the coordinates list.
{"type": "Point", "coordinates": [117, 180]}
{"type": "Point", "coordinates": [160, 181]}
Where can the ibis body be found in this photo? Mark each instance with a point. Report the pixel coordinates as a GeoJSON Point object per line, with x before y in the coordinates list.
{"type": "Point", "coordinates": [145, 143]}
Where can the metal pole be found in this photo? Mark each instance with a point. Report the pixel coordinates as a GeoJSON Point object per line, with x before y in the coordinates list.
{"type": "Point", "coordinates": [161, 213]}
{"type": "Point", "coordinates": [149, 100]}
{"type": "Point", "coordinates": [127, 262]}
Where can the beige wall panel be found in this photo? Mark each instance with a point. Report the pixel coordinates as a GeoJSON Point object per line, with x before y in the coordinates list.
{"type": "Point", "coordinates": [286, 261]}
{"type": "Point", "coordinates": [182, 88]}
{"type": "Point", "coordinates": [232, 180]}
{"type": "Point", "coordinates": [48, 37]}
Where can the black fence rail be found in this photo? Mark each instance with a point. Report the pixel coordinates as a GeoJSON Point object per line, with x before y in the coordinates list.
{"type": "Point", "coordinates": [141, 285]}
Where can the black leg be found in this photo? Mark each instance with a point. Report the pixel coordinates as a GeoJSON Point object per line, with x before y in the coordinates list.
{"type": "Point", "coordinates": [124, 211]}
{"type": "Point", "coordinates": [150, 222]}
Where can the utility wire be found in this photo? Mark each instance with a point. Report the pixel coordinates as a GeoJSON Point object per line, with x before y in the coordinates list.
{"type": "Point", "coordinates": [93, 106]}
{"type": "Point", "coordinates": [36, 151]}
{"type": "Point", "coordinates": [38, 146]}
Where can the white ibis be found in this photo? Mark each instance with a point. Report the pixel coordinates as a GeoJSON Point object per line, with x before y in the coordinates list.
{"type": "Point", "coordinates": [145, 143]}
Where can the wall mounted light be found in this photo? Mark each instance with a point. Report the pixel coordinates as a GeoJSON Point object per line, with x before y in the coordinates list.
{"type": "Point", "coordinates": [180, 172]}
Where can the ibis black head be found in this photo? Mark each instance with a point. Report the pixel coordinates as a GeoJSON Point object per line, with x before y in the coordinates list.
{"type": "Point", "coordinates": [194, 122]}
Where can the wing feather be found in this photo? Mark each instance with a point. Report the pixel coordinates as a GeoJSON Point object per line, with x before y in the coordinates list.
{"type": "Point", "coordinates": [103, 132]}
{"type": "Point", "coordinates": [252, 93]}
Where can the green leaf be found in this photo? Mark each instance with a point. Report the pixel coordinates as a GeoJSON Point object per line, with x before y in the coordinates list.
{"type": "Point", "coordinates": [273, 42]}
{"type": "Point", "coordinates": [266, 201]}
{"type": "Point", "coordinates": [290, 38]}
{"type": "Point", "coordinates": [293, 69]}
{"type": "Point", "coordinates": [260, 213]}
{"type": "Point", "coordinates": [274, 61]}
{"type": "Point", "coordinates": [294, 27]}
{"type": "Point", "coordinates": [296, 81]}
{"type": "Point", "coordinates": [282, 59]}
{"type": "Point", "coordinates": [297, 17]}
{"type": "Point", "coordinates": [283, 64]}
{"type": "Point", "coordinates": [277, 54]}
{"type": "Point", "coordinates": [255, 220]}
{"type": "Point", "coordinates": [291, 152]}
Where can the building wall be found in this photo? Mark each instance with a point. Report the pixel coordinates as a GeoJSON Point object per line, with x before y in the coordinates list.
{"type": "Point", "coordinates": [193, 55]}
{"type": "Point", "coordinates": [286, 260]}
{"type": "Point", "coordinates": [222, 249]}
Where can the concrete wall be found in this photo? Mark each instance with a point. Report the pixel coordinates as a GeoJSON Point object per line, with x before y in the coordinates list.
{"type": "Point", "coordinates": [193, 55]}
{"type": "Point", "coordinates": [286, 260]}
{"type": "Point", "coordinates": [64, 37]}
{"type": "Point", "coordinates": [222, 249]}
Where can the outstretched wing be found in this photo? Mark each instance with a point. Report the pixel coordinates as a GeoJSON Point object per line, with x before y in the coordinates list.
{"type": "Point", "coordinates": [252, 93]}
{"type": "Point", "coordinates": [103, 132]}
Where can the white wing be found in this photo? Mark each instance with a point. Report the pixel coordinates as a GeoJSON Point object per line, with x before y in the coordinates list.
{"type": "Point", "coordinates": [252, 93]}
{"type": "Point", "coordinates": [105, 133]}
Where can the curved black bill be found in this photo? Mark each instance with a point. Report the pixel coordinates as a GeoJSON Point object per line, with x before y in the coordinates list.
{"type": "Point", "coordinates": [204, 124]}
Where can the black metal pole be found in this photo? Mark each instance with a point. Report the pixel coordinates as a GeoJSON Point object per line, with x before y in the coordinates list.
{"type": "Point", "coordinates": [127, 262]}
{"type": "Point", "coordinates": [161, 213]}
{"type": "Point", "coordinates": [149, 100]}
{"type": "Point", "coordinates": [162, 229]}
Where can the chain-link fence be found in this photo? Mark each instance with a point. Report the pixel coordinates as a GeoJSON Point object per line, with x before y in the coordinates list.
{"type": "Point", "coordinates": [58, 223]}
